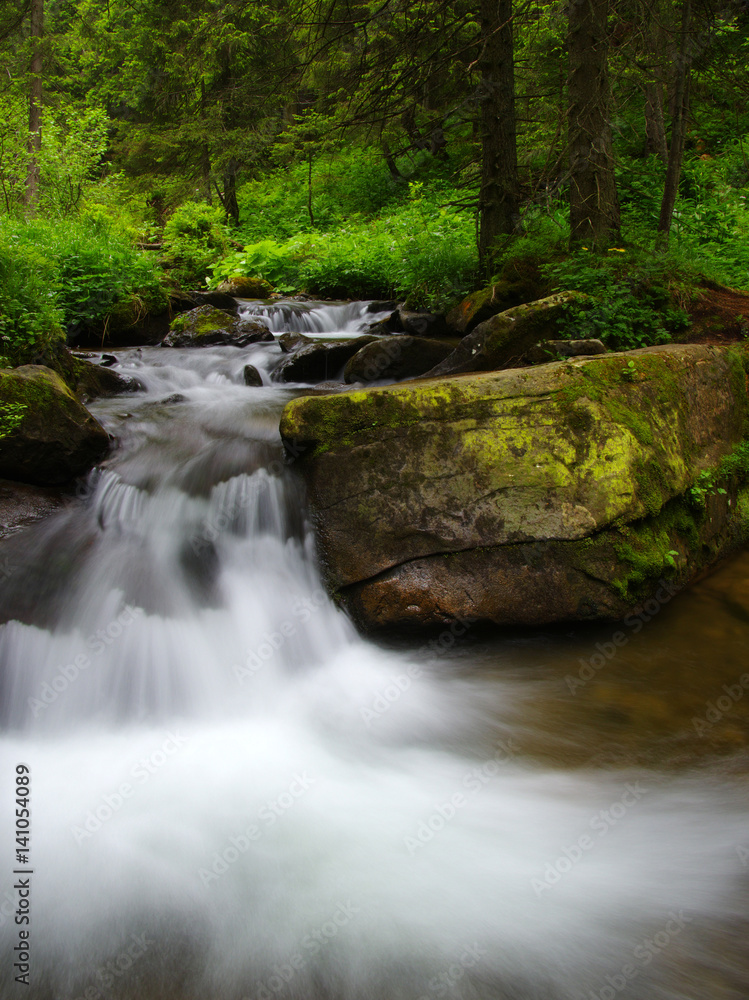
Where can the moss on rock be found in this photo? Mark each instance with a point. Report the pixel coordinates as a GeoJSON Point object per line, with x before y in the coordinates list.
{"type": "Point", "coordinates": [560, 455]}
{"type": "Point", "coordinates": [56, 438]}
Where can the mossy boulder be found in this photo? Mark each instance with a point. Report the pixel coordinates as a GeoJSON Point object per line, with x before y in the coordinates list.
{"type": "Point", "coordinates": [395, 357]}
{"type": "Point", "coordinates": [208, 326]}
{"type": "Point", "coordinates": [49, 437]}
{"type": "Point", "coordinates": [487, 302]}
{"type": "Point", "coordinates": [246, 288]}
{"type": "Point", "coordinates": [527, 495]}
{"type": "Point", "coordinates": [507, 336]}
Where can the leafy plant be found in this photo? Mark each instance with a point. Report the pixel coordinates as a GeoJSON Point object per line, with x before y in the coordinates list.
{"type": "Point", "coordinates": [11, 417]}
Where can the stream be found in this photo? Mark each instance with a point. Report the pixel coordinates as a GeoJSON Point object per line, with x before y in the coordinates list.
{"type": "Point", "coordinates": [233, 796]}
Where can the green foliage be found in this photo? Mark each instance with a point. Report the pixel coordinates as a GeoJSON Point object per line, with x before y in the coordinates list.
{"type": "Point", "coordinates": [195, 237]}
{"type": "Point", "coordinates": [65, 273]}
{"type": "Point", "coordinates": [421, 249]}
{"type": "Point", "coordinates": [631, 303]}
{"type": "Point", "coordinates": [713, 481]}
{"type": "Point", "coordinates": [30, 317]}
{"type": "Point", "coordinates": [11, 417]}
{"type": "Point", "coordinates": [74, 142]}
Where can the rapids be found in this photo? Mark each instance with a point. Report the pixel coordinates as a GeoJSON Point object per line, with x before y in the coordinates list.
{"type": "Point", "coordinates": [233, 795]}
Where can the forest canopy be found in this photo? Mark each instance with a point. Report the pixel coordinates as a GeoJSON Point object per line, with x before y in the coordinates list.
{"type": "Point", "coordinates": [364, 149]}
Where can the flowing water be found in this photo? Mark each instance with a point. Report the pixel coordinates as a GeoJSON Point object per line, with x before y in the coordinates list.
{"type": "Point", "coordinates": [233, 795]}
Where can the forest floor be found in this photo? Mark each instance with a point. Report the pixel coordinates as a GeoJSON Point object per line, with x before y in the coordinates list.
{"type": "Point", "coordinates": [719, 316]}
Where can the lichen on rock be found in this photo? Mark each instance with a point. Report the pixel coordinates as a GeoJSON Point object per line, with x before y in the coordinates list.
{"type": "Point", "coordinates": [476, 468]}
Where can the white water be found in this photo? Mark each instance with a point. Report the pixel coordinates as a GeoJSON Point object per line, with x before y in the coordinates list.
{"type": "Point", "coordinates": [229, 770]}
{"type": "Point", "coordinates": [317, 319]}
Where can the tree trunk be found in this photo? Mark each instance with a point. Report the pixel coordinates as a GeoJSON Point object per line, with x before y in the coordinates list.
{"type": "Point", "coordinates": [594, 203]}
{"type": "Point", "coordinates": [655, 124]}
{"type": "Point", "coordinates": [35, 103]}
{"type": "Point", "coordinates": [498, 198]}
{"type": "Point", "coordinates": [679, 124]}
{"type": "Point", "coordinates": [205, 153]}
{"type": "Point", "coordinates": [229, 197]}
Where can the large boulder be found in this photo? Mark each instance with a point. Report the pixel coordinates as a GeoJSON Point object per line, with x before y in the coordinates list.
{"type": "Point", "coordinates": [507, 336]}
{"type": "Point", "coordinates": [48, 436]}
{"type": "Point", "coordinates": [528, 495]}
{"type": "Point", "coordinates": [395, 357]}
{"type": "Point", "coordinates": [319, 360]}
{"type": "Point", "coordinates": [208, 326]}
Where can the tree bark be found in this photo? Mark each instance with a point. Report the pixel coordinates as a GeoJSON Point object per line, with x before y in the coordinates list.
{"type": "Point", "coordinates": [228, 197]}
{"type": "Point", "coordinates": [679, 123]}
{"type": "Point", "coordinates": [498, 197]}
{"type": "Point", "coordinates": [35, 103]}
{"type": "Point", "coordinates": [594, 203]}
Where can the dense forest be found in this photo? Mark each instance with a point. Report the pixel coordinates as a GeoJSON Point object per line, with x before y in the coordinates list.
{"type": "Point", "coordinates": [370, 149]}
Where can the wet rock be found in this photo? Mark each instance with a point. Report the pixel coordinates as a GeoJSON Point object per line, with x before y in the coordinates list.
{"type": "Point", "coordinates": [422, 324]}
{"type": "Point", "coordinates": [50, 437]}
{"type": "Point", "coordinates": [289, 342]}
{"type": "Point", "coordinates": [395, 357]}
{"type": "Point", "coordinates": [252, 376]}
{"type": "Point", "coordinates": [377, 306]}
{"type": "Point", "coordinates": [553, 350]}
{"type": "Point", "coordinates": [318, 361]}
{"type": "Point", "coordinates": [524, 496]}
{"type": "Point", "coordinates": [21, 505]}
{"type": "Point", "coordinates": [507, 336]}
{"type": "Point", "coordinates": [208, 326]}
{"type": "Point", "coordinates": [176, 397]}
{"type": "Point", "coordinates": [107, 360]}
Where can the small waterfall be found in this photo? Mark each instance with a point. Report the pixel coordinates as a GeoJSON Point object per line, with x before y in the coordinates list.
{"type": "Point", "coordinates": [315, 319]}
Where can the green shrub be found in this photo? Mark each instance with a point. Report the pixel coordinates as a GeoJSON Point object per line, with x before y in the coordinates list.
{"type": "Point", "coordinates": [195, 238]}
{"type": "Point", "coordinates": [632, 303]}
{"type": "Point", "coordinates": [30, 317]}
{"type": "Point", "coordinates": [421, 249]}
{"type": "Point", "coordinates": [66, 273]}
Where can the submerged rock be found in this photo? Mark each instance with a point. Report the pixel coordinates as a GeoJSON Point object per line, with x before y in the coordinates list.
{"type": "Point", "coordinates": [49, 436]}
{"type": "Point", "coordinates": [208, 326]}
{"type": "Point", "coordinates": [396, 357]}
{"type": "Point", "coordinates": [524, 496]}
